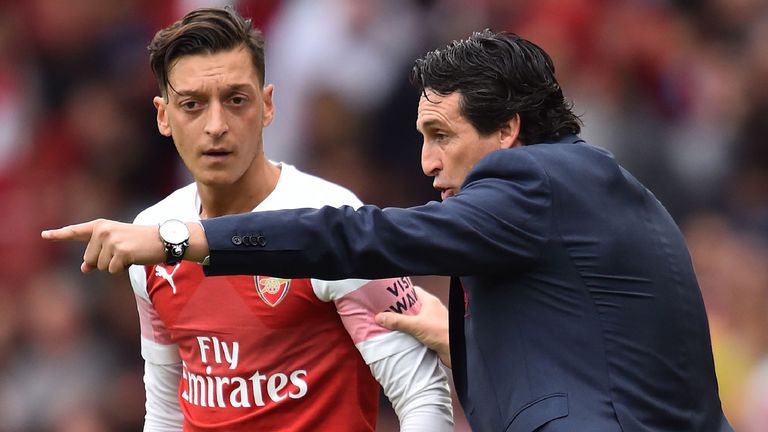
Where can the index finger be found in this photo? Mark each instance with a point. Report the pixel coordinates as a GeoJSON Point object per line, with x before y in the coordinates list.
{"type": "Point", "coordinates": [81, 232]}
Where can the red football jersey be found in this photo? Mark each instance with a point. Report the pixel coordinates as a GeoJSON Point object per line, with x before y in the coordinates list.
{"type": "Point", "coordinates": [263, 353]}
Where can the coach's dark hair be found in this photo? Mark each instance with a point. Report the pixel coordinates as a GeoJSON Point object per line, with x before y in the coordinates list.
{"type": "Point", "coordinates": [204, 31]}
{"type": "Point", "coordinates": [499, 75]}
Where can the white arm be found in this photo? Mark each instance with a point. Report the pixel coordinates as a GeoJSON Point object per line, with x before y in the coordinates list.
{"type": "Point", "coordinates": [161, 383]}
{"type": "Point", "coordinates": [416, 385]}
{"type": "Point", "coordinates": [162, 365]}
{"type": "Point", "coordinates": [411, 375]}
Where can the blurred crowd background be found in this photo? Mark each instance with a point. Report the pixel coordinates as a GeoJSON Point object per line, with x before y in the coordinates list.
{"type": "Point", "coordinates": [675, 89]}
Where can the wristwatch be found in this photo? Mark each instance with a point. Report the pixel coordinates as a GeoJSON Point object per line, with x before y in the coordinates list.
{"type": "Point", "coordinates": [175, 236]}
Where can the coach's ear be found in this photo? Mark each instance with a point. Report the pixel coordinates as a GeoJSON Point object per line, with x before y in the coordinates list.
{"type": "Point", "coordinates": [509, 133]}
{"type": "Point", "coordinates": [162, 116]}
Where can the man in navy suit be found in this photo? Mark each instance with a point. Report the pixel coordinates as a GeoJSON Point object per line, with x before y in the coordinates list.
{"type": "Point", "coordinates": [573, 303]}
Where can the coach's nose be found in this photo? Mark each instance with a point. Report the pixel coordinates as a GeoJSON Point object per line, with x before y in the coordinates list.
{"type": "Point", "coordinates": [431, 163]}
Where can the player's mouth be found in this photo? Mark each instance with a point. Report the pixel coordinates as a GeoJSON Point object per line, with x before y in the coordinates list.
{"type": "Point", "coordinates": [216, 154]}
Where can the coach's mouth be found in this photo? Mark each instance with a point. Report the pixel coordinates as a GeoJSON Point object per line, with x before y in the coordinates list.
{"type": "Point", "coordinates": [445, 192]}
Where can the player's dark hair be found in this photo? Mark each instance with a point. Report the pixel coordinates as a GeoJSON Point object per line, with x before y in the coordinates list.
{"type": "Point", "coordinates": [497, 76]}
{"type": "Point", "coordinates": [204, 31]}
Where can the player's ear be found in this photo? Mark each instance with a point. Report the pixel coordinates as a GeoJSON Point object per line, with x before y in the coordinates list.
{"type": "Point", "coordinates": [269, 106]}
{"type": "Point", "coordinates": [162, 116]}
{"type": "Point", "coordinates": [509, 133]}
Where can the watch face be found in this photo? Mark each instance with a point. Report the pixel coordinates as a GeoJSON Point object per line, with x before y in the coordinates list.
{"type": "Point", "coordinates": [174, 231]}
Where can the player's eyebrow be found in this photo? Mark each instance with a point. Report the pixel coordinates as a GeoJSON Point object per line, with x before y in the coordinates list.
{"type": "Point", "coordinates": [232, 88]}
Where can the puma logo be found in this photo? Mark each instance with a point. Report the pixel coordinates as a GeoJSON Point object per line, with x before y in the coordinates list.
{"type": "Point", "coordinates": [163, 273]}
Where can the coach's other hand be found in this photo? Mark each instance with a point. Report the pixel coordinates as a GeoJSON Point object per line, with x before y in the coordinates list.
{"type": "Point", "coordinates": [429, 326]}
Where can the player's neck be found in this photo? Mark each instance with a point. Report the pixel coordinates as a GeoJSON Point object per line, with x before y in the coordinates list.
{"type": "Point", "coordinates": [240, 197]}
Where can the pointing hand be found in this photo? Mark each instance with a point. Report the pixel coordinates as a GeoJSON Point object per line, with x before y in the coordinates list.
{"type": "Point", "coordinates": [112, 246]}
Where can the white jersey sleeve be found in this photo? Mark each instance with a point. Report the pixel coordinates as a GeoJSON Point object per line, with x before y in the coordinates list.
{"type": "Point", "coordinates": [156, 344]}
{"type": "Point", "coordinates": [161, 383]}
{"type": "Point", "coordinates": [162, 364]}
{"type": "Point", "coordinates": [417, 387]}
{"type": "Point", "coordinates": [410, 374]}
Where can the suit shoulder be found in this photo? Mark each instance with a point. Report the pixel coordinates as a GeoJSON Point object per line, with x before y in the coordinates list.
{"type": "Point", "coordinates": [508, 163]}
{"type": "Point", "coordinates": [578, 150]}
{"type": "Point", "coordinates": [542, 157]}
{"type": "Point", "coordinates": [176, 205]}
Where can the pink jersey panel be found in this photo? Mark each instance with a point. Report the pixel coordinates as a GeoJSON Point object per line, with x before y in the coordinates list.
{"type": "Point", "coordinates": [359, 307]}
{"type": "Point", "coordinates": [152, 327]}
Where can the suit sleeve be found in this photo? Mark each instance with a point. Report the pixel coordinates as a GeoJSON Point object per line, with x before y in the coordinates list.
{"type": "Point", "coordinates": [500, 219]}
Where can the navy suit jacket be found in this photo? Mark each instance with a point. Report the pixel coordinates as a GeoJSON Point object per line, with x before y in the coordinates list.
{"type": "Point", "coordinates": [573, 304]}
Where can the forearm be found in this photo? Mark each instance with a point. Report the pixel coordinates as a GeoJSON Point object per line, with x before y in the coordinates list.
{"type": "Point", "coordinates": [198, 243]}
{"type": "Point", "coordinates": [331, 243]}
{"type": "Point", "coordinates": [470, 233]}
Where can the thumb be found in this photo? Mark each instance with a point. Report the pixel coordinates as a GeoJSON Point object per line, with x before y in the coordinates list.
{"type": "Point", "coordinates": [392, 320]}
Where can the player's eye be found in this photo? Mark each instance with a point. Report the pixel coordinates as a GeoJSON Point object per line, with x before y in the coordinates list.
{"type": "Point", "coordinates": [189, 105]}
{"type": "Point", "coordinates": [238, 100]}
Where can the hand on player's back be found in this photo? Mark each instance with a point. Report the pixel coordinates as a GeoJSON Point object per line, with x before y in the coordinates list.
{"type": "Point", "coordinates": [429, 326]}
